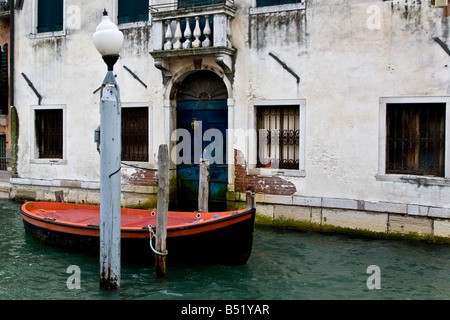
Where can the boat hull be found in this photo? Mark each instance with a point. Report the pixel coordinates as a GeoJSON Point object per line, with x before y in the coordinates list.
{"type": "Point", "coordinates": [226, 241]}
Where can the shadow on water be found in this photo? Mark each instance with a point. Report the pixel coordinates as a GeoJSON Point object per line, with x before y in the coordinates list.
{"type": "Point", "coordinates": [284, 265]}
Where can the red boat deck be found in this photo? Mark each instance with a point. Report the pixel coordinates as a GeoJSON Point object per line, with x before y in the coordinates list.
{"type": "Point", "coordinates": [92, 217]}
{"type": "Point", "coordinates": [89, 215]}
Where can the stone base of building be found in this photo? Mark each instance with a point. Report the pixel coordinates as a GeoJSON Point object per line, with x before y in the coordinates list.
{"type": "Point", "coordinates": [364, 217]}
{"type": "Point", "coordinates": [79, 192]}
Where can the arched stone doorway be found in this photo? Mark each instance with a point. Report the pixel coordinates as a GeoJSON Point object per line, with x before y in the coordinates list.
{"type": "Point", "coordinates": [202, 122]}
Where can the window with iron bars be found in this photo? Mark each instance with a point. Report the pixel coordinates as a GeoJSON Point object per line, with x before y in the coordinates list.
{"type": "Point", "coordinates": [278, 137]}
{"type": "Point", "coordinates": [135, 134]}
{"type": "Point", "coordinates": [415, 138]}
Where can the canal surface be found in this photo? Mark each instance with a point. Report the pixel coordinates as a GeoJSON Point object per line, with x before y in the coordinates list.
{"type": "Point", "coordinates": [284, 265]}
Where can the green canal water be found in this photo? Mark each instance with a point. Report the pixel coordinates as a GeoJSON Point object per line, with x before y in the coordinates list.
{"type": "Point", "coordinates": [284, 265]}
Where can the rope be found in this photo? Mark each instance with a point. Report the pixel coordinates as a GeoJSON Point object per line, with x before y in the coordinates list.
{"type": "Point", "coordinates": [152, 234]}
{"type": "Point", "coordinates": [141, 168]}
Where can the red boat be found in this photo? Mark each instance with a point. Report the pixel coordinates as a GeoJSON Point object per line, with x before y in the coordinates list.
{"type": "Point", "coordinates": [224, 237]}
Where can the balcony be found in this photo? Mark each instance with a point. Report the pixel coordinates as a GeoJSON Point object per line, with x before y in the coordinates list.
{"type": "Point", "coordinates": [195, 29]}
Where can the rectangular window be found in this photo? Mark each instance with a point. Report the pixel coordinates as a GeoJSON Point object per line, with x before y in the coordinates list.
{"type": "Point", "coordinates": [265, 3]}
{"type": "Point", "coordinates": [135, 134]}
{"type": "Point", "coordinates": [415, 138]}
{"type": "Point", "coordinates": [49, 15]}
{"type": "Point", "coordinates": [133, 11]}
{"type": "Point", "coordinates": [278, 133]}
{"type": "Point", "coordinates": [49, 133]}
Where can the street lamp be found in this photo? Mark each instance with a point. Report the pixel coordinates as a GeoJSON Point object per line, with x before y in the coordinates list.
{"type": "Point", "coordinates": [109, 40]}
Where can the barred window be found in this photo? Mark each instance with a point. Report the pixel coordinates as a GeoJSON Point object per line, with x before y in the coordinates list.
{"type": "Point", "coordinates": [135, 134]}
{"type": "Point", "coordinates": [278, 136]}
{"type": "Point", "coordinates": [415, 138]}
{"type": "Point", "coordinates": [49, 133]}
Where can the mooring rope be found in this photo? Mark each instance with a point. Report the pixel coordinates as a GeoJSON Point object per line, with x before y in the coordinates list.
{"type": "Point", "coordinates": [152, 235]}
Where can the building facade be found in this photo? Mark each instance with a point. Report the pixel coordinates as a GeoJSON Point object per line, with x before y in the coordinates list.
{"type": "Point", "coordinates": [333, 112]}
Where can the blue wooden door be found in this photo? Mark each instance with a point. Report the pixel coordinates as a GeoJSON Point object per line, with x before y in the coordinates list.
{"type": "Point", "coordinates": [211, 114]}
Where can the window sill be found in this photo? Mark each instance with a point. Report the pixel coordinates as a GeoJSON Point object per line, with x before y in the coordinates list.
{"type": "Point", "coordinates": [141, 165]}
{"type": "Point", "coordinates": [276, 172]}
{"type": "Point", "coordinates": [417, 180]}
{"type": "Point", "coordinates": [278, 8]}
{"type": "Point", "coordinates": [136, 24]}
{"type": "Point", "coordinates": [49, 161]}
{"type": "Point", "coordinates": [44, 35]}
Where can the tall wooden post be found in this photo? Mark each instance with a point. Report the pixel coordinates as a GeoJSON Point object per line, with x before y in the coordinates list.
{"type": "Point", "coordinates": [110, 115]}
{"type": "Point", "coordinates": [203, 185]}
{"type": "Point", "coordinates": [250, 202]}
{"type": "Point", "coordinates": [162, 208]}
{"type": "Point", "coordinates": [110, 189]}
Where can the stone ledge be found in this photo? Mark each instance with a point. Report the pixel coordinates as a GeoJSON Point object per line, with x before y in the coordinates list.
{"type": "Point", "coordinates": [351, 204]}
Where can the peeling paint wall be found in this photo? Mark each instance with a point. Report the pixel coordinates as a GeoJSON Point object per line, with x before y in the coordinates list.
{"type": "Point", "coordinates": [348, 54]}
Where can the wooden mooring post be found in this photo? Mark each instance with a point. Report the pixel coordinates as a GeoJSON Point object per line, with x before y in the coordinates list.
{"type": "Point", "coordinates": [203, 185]}
{"type": "Point", "coordinates": [162, 208]}
{"type": "Point", "coordinates": [250, 202]}
{"type": "Point", "coordinates": [59, 195]}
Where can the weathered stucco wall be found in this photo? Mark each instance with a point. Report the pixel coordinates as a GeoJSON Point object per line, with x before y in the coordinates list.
{"type": "Point", "coordinates": [67, 70]}
{"type": "Point", "coordinates": [348, 55]}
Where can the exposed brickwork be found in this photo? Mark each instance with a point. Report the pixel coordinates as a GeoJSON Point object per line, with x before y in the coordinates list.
{"type": "Point", "coordinates": [259, 184]}
{"type": "Point", "coordinates": [144, 178]}
{"type": "Point", "coordinates": [243, 182]}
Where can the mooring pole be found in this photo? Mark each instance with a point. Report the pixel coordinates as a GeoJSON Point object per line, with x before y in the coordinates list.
{"type": "Point", "coordinates": [203, 187]}
{"type": "Point", "coordinates": [110, 156]}
{"type": "Point", "coordinates": [162, 208]}
{"type": "Point", "coordinates": [250, 202]}
{"type": "Point", "coordinates": [108, 40]}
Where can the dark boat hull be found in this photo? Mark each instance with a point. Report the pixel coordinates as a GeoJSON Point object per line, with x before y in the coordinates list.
{"type": "Point", "coordinates": [229, 244]}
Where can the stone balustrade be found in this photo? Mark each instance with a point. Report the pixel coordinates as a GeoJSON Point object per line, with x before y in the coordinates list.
{"type": "Point", "coordinates": [192, 28]}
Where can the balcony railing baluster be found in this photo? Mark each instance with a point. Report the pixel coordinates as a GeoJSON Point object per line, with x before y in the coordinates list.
{"type": "Point", "coordinates": [191, 28]}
